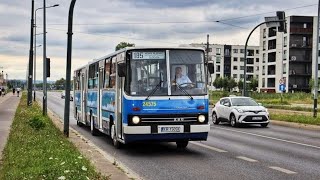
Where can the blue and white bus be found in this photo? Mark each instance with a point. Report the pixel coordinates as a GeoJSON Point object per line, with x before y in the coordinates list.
{"type": "Point", "coordinates": [145, 94]}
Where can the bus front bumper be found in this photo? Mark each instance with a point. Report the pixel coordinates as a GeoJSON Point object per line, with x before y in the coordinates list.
{"type": "Point", "coordinates": [146, 133]}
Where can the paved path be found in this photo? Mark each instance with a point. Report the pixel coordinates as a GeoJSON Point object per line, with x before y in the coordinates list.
{"type": "Point", "coordinates": [8, 106]}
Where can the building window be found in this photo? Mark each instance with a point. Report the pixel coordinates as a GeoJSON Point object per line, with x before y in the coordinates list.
{"type": "Point", "coordinates": [227, 52]}
{"type": "Point", "coordinates": [264, 45]}
{"type": "Point", "coordinates": [235, 50]}
{"type": "Point", "coordinates": [257, 51]}
{"type": "Point", "coordinates": [264, 32]}
{"type": "Point", "coordinates": [257, 59]}
{"type": "Point", "coordinates": [241, 59]}
{"type": "Point", "coordinates": [235, 76]}
{"type": "Point", "coordinates": [235, 67]}
{"type": "Point", "coordinates": [285, 55]}
{"type": "Point", "coordinates": [241, 67]}
{"type": "Point", "coordinates": [257, 68]}
{"type": "Point", "coordinates": [218, 51]}
{"type": "Point", "coordinates": [218, 75]}
{"type": "Point", "coordinates": [263, 58]}
{"type": "Point", "coordinates": [263, 70]}
{"type": "Point", "coordinates": [218, 68]}
{"type": "Point", "coordinates": [235, 59]}
{"type": "Point", "coordinates": [210, 49]}
{"type": "Point", "coordinates": [263, 82]}
{"type": "Point", "coordinates": [284, 68]}
{"type": "Point", "coordinates": [241, 76]}
{"type": "Point", "coordinates": [305, 25]}
{"type": "Point", "coordinates": [285, 43]}
{"type": "Point", "coordinates": [242, 51]}
{"type": "Point", "coordinates": [218, 60]}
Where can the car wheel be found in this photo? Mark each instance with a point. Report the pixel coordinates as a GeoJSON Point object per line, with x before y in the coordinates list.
{"type": "Point", "coordinates": [94, 131]}
{"type": "Point", "coordinates": [264, 125]}
{"type": "Point", "coordinates": [233, 120]}
{"type": "Point", "coordinates": [182, 144]}
{"type": "Point", "coordinates": [115, 142]}
{"type": "Point", "coordinates": [215, 119]}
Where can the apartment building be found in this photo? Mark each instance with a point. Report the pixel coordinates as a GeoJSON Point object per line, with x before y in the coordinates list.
{"type": "Point", "coordinates": [288, 58]}
{"type": "Point", "coordinates": [229, 61]}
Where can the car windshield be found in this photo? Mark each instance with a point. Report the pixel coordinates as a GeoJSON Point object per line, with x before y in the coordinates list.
{"type": "Point", "coordinates": [243, 102]}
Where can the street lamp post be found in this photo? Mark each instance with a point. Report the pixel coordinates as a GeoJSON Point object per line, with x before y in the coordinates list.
{"type": "Point", "coordinates": [44, 112]}
{"type": "Point", "coordinates": [35, 42]}
{"type": "Point", "coordinates": [282, 22]}
{"type": "Point", "coordinates": [29, 103]}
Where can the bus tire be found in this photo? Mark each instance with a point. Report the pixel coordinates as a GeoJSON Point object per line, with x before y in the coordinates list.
{"type": "Point", "coordinates": [94, 131]}
{"type": "Point", "coordinates": [115, 142]}
{"type": "Point", "coordinates": [182, 144]}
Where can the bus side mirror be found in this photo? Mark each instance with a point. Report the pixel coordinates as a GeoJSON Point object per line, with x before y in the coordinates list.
{"type": "Point", "coordinates": [211, 68]}
{"type": "Point", "coordinates": [122, 70]}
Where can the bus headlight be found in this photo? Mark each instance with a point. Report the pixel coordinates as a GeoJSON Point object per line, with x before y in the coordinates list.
{"type": "Point", "coordinates": [201, 118]}
{"type": "Point", "coordinates": [135, 120]}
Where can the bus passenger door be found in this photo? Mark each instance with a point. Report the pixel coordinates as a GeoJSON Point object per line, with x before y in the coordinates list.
{"type": "Point", "coordinates": [83, 97]}
{"type": "Point", "coordinates": [100, 87]}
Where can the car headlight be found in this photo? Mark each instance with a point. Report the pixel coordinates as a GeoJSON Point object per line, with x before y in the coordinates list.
{"type": "Point", "coordinates": [135, 120]}
{"type": "Point", "coordinates": [201, 118]}
{"type": "Point", "coordinates": [240, 110]}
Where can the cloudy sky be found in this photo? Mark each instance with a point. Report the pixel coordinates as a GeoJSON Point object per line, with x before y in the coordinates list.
{"type": "Point", "coordinates": [99, 25]}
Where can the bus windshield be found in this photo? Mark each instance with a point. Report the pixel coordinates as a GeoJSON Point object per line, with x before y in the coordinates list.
{"type": "Point", "coordinates": [150, 77]}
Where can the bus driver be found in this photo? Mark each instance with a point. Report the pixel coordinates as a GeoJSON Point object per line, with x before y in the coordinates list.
{"type": "Point", "coordinates": [181, 79]}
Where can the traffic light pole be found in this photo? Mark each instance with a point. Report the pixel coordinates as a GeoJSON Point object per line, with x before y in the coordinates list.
{"type": "Point", "coordinates": [316, 84]}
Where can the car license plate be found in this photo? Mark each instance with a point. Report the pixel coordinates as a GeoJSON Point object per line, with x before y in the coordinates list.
{"type": "Point", "coordinates": [170, 129]}
{"type": "Point", "coordinates": [256, 118]}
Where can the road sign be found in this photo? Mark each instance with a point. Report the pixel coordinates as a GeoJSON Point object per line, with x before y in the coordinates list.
{"type": "Point", "coordinates": [282, 87]}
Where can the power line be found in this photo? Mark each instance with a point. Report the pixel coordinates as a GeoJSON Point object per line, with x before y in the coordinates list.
{"type": "Point", "coordinates": [186, 22]}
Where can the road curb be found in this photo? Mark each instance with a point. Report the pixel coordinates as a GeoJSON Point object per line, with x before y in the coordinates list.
{"type": "Point", "coordinates": [116, 169]}
{"type": "Point", "coordinates": [296, 125]}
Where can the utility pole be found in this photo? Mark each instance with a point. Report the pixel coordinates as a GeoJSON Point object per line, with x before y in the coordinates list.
{"type": "Point", "coordinates": [68, 72]}
{"type": "Point", "coordinates": [44, 111]}
{"type": "Point", "coordinates": [315, 97]}
{"type": "Point", "coordinates": [207, 58]}
{"type": "Point", "coordinates": [30, 67]}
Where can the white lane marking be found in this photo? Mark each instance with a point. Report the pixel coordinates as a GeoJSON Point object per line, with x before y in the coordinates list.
{"type": "Point", "coordinates": [246, 159]}
{"type": "Point", "coordinates": [273, 138]}
{"type": "Point", "coordinates": [282, 170]}
{"type": "Point", "coordinates": [208, 147]}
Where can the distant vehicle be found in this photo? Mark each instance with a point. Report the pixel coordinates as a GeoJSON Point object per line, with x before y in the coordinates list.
{"type": "Point", "coordinates": [138, 94]}
{"type": "Point", "coordinates": [63, 95]}
{"type": "Point", "coordinates": [240, 110]}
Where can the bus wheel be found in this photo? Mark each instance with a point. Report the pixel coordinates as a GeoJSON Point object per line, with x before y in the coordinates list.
{"type": "Point", "coordinates": [182, 144]}
{"type": "Point", "coordinates": [94, 131]}
{"type": "Point", "coordinates": [115, 142]}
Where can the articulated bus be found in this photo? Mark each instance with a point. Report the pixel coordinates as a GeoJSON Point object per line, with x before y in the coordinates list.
{"type": "Point", "coordinates": [145, 94]}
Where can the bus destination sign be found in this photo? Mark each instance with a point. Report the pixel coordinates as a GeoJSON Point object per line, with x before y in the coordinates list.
{"type": "Point", "coordinates": [148, 55]}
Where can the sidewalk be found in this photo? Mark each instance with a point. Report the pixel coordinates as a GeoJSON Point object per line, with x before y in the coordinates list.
{"type": "Point", "coordinates": [8, 106]}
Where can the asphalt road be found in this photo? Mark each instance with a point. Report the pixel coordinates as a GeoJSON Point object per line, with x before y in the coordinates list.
{"type": "Point", "coordinates": [250, 152]}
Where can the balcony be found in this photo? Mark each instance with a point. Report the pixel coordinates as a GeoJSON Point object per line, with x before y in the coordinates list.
{"type": "Point", "coordinates": [299, 73]}
{"type": "Point", "coordinates": [300, 59]}
{"type": "Point", "coordinates": [295, 30]}
{"type": "Point", "coordinates": [301, 45]}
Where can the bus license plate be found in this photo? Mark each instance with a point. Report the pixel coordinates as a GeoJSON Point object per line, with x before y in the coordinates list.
{"type": "Point", "coordinates": [256, 118]}
{"type": "Point", "coordinates": [170, 129]}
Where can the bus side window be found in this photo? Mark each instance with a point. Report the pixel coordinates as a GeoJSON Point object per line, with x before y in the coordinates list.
{"type": "Point", "coordinates": [113, 75]}
{"type": "Point", "coordinates": [107, 74]}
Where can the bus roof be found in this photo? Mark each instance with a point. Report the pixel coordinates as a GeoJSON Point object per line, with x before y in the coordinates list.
{"type": "Point", "coordinates": [138, 48]}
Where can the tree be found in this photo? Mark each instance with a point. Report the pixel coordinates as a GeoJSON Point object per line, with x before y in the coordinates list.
{"type": "Point", "coordinates": [60, 83]}
{"type": "Point", "coordinates": [231, 84]}
{"type": "Point", "coordinates": [253, 84]}
{"type": "Point", "coordinates": [240, 84]}
{"type": "Point", "coordinates": [218, 82]}
{"type": "Point", "coordinates": [122, 45]}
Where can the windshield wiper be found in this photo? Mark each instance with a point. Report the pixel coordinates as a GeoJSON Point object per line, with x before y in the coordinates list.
{"type": "Point", "coordinates": [184, 91]}
{"type": "Point", "coordinates": [155, 89]}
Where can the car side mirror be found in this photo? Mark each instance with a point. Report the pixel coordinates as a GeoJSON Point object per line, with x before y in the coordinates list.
{"type": "Point", "coordinates": [122, 70]}
{"type": "Point", "coordinates": [211, 68]}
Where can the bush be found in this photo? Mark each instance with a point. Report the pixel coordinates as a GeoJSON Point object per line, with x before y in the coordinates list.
{"type": "Point", "coordinates": [37, 123]}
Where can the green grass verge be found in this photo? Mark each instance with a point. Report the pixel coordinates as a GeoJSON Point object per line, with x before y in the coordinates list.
{"type": "Point", "coordinates": [292, 108]}
{"type": "Point", "coordinates": [296, 118]}
{"type": "Point", "coordinates": [36, 149]}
